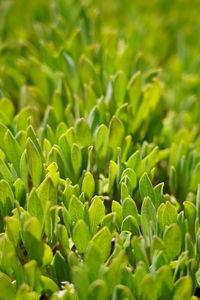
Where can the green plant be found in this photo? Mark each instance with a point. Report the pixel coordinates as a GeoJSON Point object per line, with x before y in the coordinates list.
{"type": "Point", "coordinates": [99, 150]}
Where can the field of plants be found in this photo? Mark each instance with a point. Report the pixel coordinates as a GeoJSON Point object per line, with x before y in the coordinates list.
{"type": "Point", "coordinates": [99, 150]}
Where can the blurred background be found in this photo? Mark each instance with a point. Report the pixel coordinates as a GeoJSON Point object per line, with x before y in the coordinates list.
{"type": "Point", "coordinates": [39, 39]}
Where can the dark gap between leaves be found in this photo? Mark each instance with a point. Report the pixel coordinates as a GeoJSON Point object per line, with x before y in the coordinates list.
{"type": "Point", "coordinates": [197, 292]}
{"type": "Point", "coordinates": [44, 297]}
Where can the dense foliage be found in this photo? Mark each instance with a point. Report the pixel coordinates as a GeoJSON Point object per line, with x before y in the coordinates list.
{"type": "Point", "coordinates": [99, 150]}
